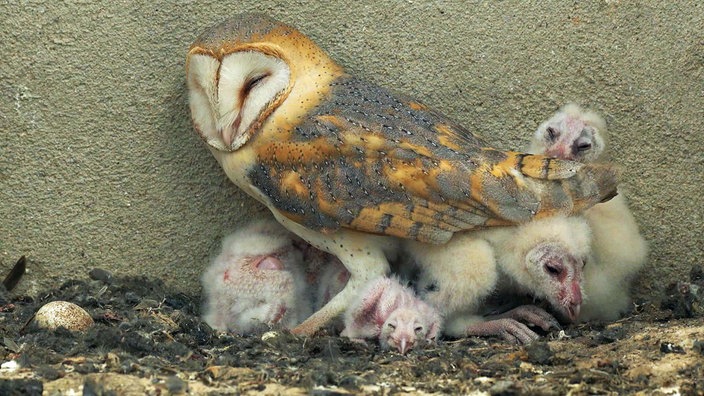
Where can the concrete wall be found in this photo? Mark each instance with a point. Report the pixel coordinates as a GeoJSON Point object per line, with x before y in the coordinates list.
{"type": "Point", "coordinates": [99, 165]}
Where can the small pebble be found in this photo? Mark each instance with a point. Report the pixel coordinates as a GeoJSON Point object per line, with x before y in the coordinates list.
{"type": "Point", "coordinates": [21, 387]}
{"type": "Point", "coordinates": [10, 366]}
{"type": "Point", "coordinates": [668, 347]}
{"type": "Point", "coordinates": [352, 381]}
{"type": "Point", "coordinates": [612, 333]}
{"type": "Point", "coordinates": [147, 304]}
{"type": "Point", "coordinates": [63, 314]}
{"type": "Point", "coordinates": [698, 346]}
{"type": "Point", "coordinates": [539, 352]}
{"type": "Point", "coordinates": [501, 387]}
{"type": "Point", "coordinates": [47, 372]}
{"type": "Point", "coordinates": [175, 385]}
{"type": "Point", "coordinates": [100, 275]}
{"type": "Point", "coordinates": [332, 391]}
{"type": "Point", "coordinates": [132, 297]}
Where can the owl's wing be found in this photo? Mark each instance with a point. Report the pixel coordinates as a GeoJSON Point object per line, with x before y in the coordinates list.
{"type": "Point", "coordinates": [376, 162]}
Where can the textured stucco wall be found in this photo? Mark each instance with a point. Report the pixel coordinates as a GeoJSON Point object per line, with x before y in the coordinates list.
{"type": "Point", "coordinates": [99, 166]}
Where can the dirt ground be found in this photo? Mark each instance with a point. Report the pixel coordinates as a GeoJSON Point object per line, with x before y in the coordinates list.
{"type": "Point", "coordinates": [148, 339]}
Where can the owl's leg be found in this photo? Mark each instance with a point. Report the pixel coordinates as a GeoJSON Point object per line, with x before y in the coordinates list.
{"type": "Point", "coordinates": [362, 271]}
{"type": "Point", "coordinates": [362, 255]}
{"type": "Point", "coordinates": [531, 314]}
{"type": "Point", "coordinates": [467, 325]}
{"type": "Point", "coordinates": [509, 329]}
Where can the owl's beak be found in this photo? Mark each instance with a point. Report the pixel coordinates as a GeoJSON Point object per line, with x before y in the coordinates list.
{"type": "Point", "coordinates": [229, 132]}
{"type": "Point", "coordinates": [226, 137]}
{"type": "Point", "coordinates": [574, 303]}
{"type": "Point", "coordinates": [403, 347]}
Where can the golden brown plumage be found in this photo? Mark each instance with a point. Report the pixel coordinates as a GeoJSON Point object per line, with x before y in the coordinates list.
{"type": "Point", "coordinates": [336, 158]}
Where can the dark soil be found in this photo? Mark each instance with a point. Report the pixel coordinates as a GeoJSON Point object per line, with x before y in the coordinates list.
{"type": "Point", "coordinates": [149, 339]}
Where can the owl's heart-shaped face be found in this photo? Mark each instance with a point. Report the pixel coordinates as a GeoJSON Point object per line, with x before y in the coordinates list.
{"type": "Point", "coordinates": [247, 68]}
{"type": "Point", "coordinates": [229, 97]}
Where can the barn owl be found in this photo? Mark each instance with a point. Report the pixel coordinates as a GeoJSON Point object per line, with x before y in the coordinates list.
{"type": "Point", "coordinates": [256, 282]}
{"type": "Point", "coordinates": [391, 312]}
{"type": "Point", "coordinates": [351, 167]}
{"type": "Point", "coordinates": [543, 258]}
{"type": "Point", "coordinates": [572, 133]}
{"type": "Point", "coordinates": [618, 248]}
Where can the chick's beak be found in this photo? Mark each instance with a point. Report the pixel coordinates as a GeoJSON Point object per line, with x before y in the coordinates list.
{"type": "Point", "coordinates": [573, 311]}
{"type": "Point", "coordinates": [402, 346]}
{"type": "Point", "coordinates": [575, 303]}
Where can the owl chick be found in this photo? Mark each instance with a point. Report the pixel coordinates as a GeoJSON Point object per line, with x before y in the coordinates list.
{"type": "Point", "coordinates": [351, 167]}
{"type": "Point", "coordinates": [455, 278]}
{"type": "Point", "coordinates": [408, 321]}
{"type": "Point", "coordinates": [618, 248]}
{"type": "Point", "coordinates": [572, 134]}
{"type": "Point", "coordinates": [256, 282]}
{"type": "Point", "coordinates": [392, 313]}
{"type": "Point", "coordinates": [543, 258]}
{"type": "Point", "coordinates": [259, 280]}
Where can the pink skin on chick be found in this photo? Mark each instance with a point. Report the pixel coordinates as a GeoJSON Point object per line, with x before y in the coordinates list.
{"type": "Point", "coordinates": [572, 133]}
{"type": "Point", "coordinates": [560, 276]}
{"type": "Point", "coordinates": [407, 327]}
{"type": "Point", "coordinates": [509, 326]}
{"type": "Point", "coordinates": [392, 313]}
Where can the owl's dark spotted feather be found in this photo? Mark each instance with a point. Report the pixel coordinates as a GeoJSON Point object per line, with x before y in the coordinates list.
{"type": "Point", "coordinates": [368, 160]}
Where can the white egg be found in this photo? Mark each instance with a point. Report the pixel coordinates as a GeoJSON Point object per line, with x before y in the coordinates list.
{"type": "Point", "coordinates": [63, 313]}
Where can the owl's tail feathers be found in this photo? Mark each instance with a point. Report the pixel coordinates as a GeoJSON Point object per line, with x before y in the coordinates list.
{"type": "Point", "coordinates": [608, 176]}
{"type": "Point", "coordinates": [591, 184]}
{"type": "Point", "coordinates": [542, 167]}
{"type": "Point", "coordinates": [523, 187]}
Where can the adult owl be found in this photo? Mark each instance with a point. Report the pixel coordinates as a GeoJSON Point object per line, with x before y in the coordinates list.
{"type": "Point", "coordinates": [351, 167]}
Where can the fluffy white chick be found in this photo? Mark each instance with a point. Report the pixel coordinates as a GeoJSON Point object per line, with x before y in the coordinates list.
{"type": "Point", "coordinates": [543, 258]}
{"type": "Point", "coordinates": [391, 312]}
{"type": "Point", "coordinates": [257, 281]}
{"type": "Point", "coordinates": [572, 133]}
{"type": "Point", "coordinates": [456, 277]}
{"type": "Point", "coordinates": [619, 250]}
